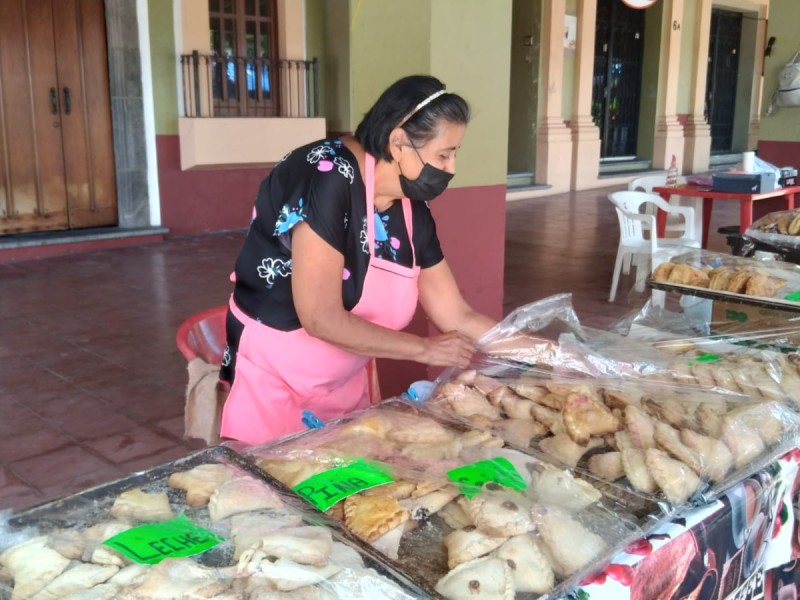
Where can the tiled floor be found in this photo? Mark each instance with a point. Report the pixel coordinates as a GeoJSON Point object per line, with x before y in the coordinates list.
{"type": "Point", "coordinates": [91, 382]}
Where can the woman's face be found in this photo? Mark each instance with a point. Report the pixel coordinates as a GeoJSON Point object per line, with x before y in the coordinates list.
{"type": "Point", "coordinates": [439, 152]}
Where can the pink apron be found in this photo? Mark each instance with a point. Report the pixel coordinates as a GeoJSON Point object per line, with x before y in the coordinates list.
{"type": "Point", "coordinates": [279, 374]}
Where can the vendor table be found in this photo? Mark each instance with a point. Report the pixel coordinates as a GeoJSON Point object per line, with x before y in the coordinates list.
{"type": "Point", "coordinates": [745, 203]}
{"type": "Point", "coordinates": [744, 545]}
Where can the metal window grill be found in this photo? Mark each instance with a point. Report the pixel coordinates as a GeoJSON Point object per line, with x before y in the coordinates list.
{"type": "Point", "coordinates": [238, 86]}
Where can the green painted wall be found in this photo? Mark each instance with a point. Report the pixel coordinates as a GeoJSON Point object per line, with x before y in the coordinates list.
{"type": "Point", "coordinates": [389, 40]}
{"type": "Point", "coordinates": [337, 65]}
{"type": "Point", "coordinates": [163, 62]}
{"type": "Point", "coordinates": [470, 52]}
{"type": "Point", "coordinates": [454, 40]}
{"type": "Point", "coordinates": [784, 17]}
{"type": "Point", "coordinates": [315, 45]}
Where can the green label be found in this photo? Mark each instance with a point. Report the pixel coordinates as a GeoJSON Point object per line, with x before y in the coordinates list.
{"type": "Point", "coordinates": [470, 478]}
{"type": "Point", "coordinates": [705, 358]}
{"type": "Point", "coordinates": [794, 296]}
{"type": "Point", "coordinates": [325, 489]}
{"type": "Point", "coordinates": [735, 315]}
{"type": "Point", "coordinates": [150, 544]}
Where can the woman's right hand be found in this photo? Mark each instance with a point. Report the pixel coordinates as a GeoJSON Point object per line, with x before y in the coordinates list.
{"type": "Point", "coordinates": [448, 350]}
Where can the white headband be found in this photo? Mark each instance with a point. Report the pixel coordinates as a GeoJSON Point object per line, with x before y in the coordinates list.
{"type": "Point", "coordinates": [422, 105]}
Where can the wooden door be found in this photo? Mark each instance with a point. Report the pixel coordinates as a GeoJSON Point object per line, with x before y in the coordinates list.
{"type": "Point", "coordinates": [56, 149]}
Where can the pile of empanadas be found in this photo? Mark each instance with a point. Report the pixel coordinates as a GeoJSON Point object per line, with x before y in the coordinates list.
{"type": "Point", "coordinates": [758, 375]}
{"type": "Point", "coordinates": [275, 553]}
{"type": "Point", "coordinates": [747, 280]}
{"type": "Point", "coordinates": [781, 223]}
{"type": "Point", "coordinates": [493, 544]}
{"type": "Point", "coordinates": [666, 440]}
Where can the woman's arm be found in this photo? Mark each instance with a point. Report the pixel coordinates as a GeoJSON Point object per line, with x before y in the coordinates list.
{"type": "Point", "coordinates": [317, 289]}
{"type": "Point", "coordinates": [445, 306]}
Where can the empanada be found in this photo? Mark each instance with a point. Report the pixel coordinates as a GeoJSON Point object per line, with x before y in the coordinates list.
{"type": "Point", "coordinates": [607, 465]}
{"type": "Point", "coordinates": [569, 545]}
{"type": "Point", "coordinates": [32, 565]}
{"type": "Point", "coordinates": [529, 566]}
{"type": "Point", "coordinates": [676, 480]}
{"type": "Point", "coordinates": [469, 543]}
{"type": "Point", "coordinates": [138, 505]}
{"type": "Point", "coordinates": [369, 517]}
{"type": "Point", "coordinates": [715, 456]}
{"type": "Point", "coordinates": [498, 512]}
{"type": "Point", "coordinates": [241, 494]}
{"type": "Point", "coordinates": [200, 481]}
{"type": "Point", "coordinates": [483, 579]}
{"type": "Point", "coordinates": [558, 487]}
{"type": "Point", "coordinates": [424, 506]}
{"type": "Point", "coordinates": [585, 417]}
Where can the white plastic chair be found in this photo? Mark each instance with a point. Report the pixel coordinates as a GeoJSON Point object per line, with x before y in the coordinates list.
{"type": "Point", "coordinates": [674, 224]}
{"type": "Point", "coordinates": [634, 222]}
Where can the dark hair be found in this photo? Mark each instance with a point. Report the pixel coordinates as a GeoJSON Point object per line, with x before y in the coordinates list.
{"type": "Point", "coordinates": [398, 103]}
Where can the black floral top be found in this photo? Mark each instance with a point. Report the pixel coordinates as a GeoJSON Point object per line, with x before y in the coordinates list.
{"type": "Point", "coordinates": [320, 184]}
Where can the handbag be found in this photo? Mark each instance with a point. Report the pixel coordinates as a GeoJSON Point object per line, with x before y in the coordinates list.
{"type": "Point", "coordinates": [788, 92]}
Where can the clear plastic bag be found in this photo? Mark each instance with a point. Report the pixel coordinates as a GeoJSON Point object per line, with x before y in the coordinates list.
{"type": "Point", "coordinates": [701, 441]}
{"type": "Point", "coordinates": [268, 542]}
{"type": "Point", "coordinates": [529, 333]}
{"type": "Point", "coordinates": [735, 277]}
{"type": "Point", "coordinates": [461, 503]}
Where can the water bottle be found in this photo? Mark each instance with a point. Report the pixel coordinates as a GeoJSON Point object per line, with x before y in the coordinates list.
{"type": "Point", "coordinates": [672, 173]}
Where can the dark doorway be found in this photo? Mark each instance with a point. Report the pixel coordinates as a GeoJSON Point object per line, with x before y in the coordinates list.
{"type": "Point", "coordinates": [723, 73]}
{"type": "Point", "coordinates": [619, 45]}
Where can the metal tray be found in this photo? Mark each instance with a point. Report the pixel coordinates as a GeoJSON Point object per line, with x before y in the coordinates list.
{"type": "Point", "coordinates": [92, 505]}
{"type": "Point", "coordinates": [773, 303]}
{"type": "Point", "coordinates": [423, 557]}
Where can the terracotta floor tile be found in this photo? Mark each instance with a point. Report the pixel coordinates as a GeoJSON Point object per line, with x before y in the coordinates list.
{"type": "Point", "coordinates": [103, 367]}
{"type": "Point", "coordinates": [58, 466]}
{"type": "Point", "coordinates": [135, 443]}
{"type": "Point", "coordinates": [32, 443]}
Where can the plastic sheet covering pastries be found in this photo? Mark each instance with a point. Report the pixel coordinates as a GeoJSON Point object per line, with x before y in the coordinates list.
{"type": "Point", "coordinates": [464, 514]}
{"type": "Point", "coordinates": [675, 444]}
{"type": "Point", "coordinates": [780, 229]}
{"type": "Point", "coordinates": [727, 277]}
{"type": "Point", "coordinates": [267, 544]}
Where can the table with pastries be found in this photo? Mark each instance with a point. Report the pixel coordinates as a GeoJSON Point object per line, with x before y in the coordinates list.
{"type": "Point", "coordinates": [513, 478]}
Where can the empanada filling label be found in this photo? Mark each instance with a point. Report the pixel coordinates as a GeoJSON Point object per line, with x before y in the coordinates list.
{"type": "Point", "coordinates": [151, 543]}
{"type": "Point", "coordinates": [472, 477]}
{"type": "Point", "coordinates": [705, 358]}
{"type": "Point", "coordinates": [325, 489]}
{"type": "Point", "coordinates": [794, 296]}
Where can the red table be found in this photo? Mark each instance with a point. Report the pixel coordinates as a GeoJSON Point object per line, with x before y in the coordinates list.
{"type": "Point", "coordinates": [708, 196]}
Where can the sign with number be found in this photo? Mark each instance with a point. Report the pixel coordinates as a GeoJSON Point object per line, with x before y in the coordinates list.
{"type": "Point", "coordinates": [150, 544]}
{"type": "Point", "coordinates": [325, 489]}
{"type": "Point", "coordinates": [471, 478]}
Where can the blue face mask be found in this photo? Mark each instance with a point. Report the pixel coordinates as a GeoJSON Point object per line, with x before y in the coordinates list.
{"type": "Point", "coordinates": [430, 183]}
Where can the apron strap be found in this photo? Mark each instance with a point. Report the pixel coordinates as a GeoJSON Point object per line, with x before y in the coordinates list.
{"type": "Point", "coordinates": [369, 165]}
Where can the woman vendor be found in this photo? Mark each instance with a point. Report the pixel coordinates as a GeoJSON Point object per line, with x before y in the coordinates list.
{"type": "Point", "coordinates": [341, 247]}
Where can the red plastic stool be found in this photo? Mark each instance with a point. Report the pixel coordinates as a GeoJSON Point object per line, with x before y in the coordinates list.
{"type": "Point", "coordinates": [203, 335]}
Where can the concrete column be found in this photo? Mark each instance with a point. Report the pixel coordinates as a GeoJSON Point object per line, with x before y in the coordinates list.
{"type": "Point", "coordinates": [585, 134]}
{"type": "Point", "coordinates": [669, 132]}
{"type": "Point", "coordinates": [697, 130]}
{"type": "Point", "coordinates": [554, 138]}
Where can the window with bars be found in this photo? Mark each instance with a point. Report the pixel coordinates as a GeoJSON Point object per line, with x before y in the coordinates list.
{"type": "Point", "coordinates": [244, 57]}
